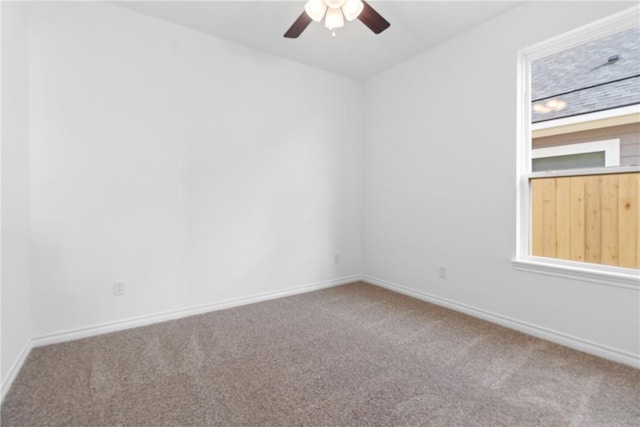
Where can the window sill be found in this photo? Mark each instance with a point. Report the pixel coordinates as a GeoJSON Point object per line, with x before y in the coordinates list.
{"type": "Point", "coordinates": [604, 275]}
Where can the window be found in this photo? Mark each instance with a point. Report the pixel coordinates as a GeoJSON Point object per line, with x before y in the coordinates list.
{"type": "Point", "coordinates": [578, 154]}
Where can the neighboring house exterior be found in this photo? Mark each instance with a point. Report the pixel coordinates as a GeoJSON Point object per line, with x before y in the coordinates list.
{"type": "Point", "coordinates": [588, 94]}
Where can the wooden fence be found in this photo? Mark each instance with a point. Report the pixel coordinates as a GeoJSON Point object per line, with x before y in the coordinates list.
{"type": "Point", "coordinates": [590, 218]}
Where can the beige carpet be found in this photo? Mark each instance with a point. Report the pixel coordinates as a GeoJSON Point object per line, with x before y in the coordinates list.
{"type": "Point", "coordinates": [354, 355]}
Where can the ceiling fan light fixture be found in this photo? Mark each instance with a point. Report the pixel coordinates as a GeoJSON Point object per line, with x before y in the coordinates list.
{"type": "Point", "coordinates": [335, 4]}
{"type": "Point", "coordinates": [334, 13]}
{"type": "Point", "coordinates": [334, 18]}
{"type": "Point", "coordinates": [316, 9]}
{"type": "Point", "coordinates": [352, 9]}
{"type": "Point", "coordinates": [552, 105]}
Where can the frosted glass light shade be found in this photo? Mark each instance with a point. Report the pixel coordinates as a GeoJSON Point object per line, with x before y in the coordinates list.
{"type": "Point", "coordinates": [315, 9]}
{"type": "Point", "coordinates": [334, 18]}
{"type": "Point", "coordinates": [352, 9]}
{"type": "Point", "coordinates": [334, 4]}
{"type": "Point", "coordinates": [549, 106]}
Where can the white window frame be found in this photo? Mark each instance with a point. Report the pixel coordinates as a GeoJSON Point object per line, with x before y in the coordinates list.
{"type": "Point", "coordinates": [523, 260]}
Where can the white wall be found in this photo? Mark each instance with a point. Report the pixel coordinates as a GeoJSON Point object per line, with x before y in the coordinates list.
{"type": "Point", "coordinates": [16, 296]}
{"type": "Point", "coordinates": [193, 169]}
{"type": "Point", "coordinates": [440, 183]}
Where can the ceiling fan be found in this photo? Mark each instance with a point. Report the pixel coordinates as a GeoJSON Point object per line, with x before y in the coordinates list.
{"type": "Point", "coordinates": [334, 12]}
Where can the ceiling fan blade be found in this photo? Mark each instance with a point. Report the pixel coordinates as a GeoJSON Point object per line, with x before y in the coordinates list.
{"type": "Point", "coordinates": [373, 19]}
{"type": "Point", "coordinates": [298, 27]}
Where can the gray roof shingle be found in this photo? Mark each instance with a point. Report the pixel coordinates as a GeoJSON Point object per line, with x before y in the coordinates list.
{"type": "Point", "coordinates": [579, 76]}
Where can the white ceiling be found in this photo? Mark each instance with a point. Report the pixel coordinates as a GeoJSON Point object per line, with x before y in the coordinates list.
{"type": "Point", "coordinates": [356, 51]}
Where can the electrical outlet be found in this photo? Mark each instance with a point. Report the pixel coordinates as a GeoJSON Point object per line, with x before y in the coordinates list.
{"type": "Point", "coordinates": [336, 259]}
{"type": "Point", "coordinates": [118, 288]}
{"type": "Point", "coordinates": [442, 272]}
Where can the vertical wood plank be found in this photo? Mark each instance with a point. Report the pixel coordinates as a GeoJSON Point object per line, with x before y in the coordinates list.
{"type": "Point", "coordinates": [537, 247]}
{"type": "Point", "coordinates": [577, 214]}
{"type": "Point", "coordinates": [592, 218]}
{"type": "Point", "coordinates": [549, 217]}
{"type": "Point", "coordinates": [609, 231]}
{"type": "Point", "coordinates": [628, 230]}
{"type": "Point", "coordinates": [563, 217]}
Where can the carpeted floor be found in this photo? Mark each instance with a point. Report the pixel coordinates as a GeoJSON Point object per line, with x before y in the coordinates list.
{"type": "Point", "coordinates": [353, 355]}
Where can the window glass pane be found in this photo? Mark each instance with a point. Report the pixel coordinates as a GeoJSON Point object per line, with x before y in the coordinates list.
{"type": "Point", "coordinates": [598, 75]}
{"type": "Point", "coordinates": [580, 95]}
{"type": "Point", "coordinates": [571, 161]}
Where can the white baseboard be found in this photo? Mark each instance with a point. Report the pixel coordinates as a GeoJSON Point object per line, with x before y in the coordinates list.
{"type": "Point", "coordinates": [15, 368]}
{"type": "Point", "coordinates": [119, 325]}
{"type": "Point", "coordinates": [566, 340]}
